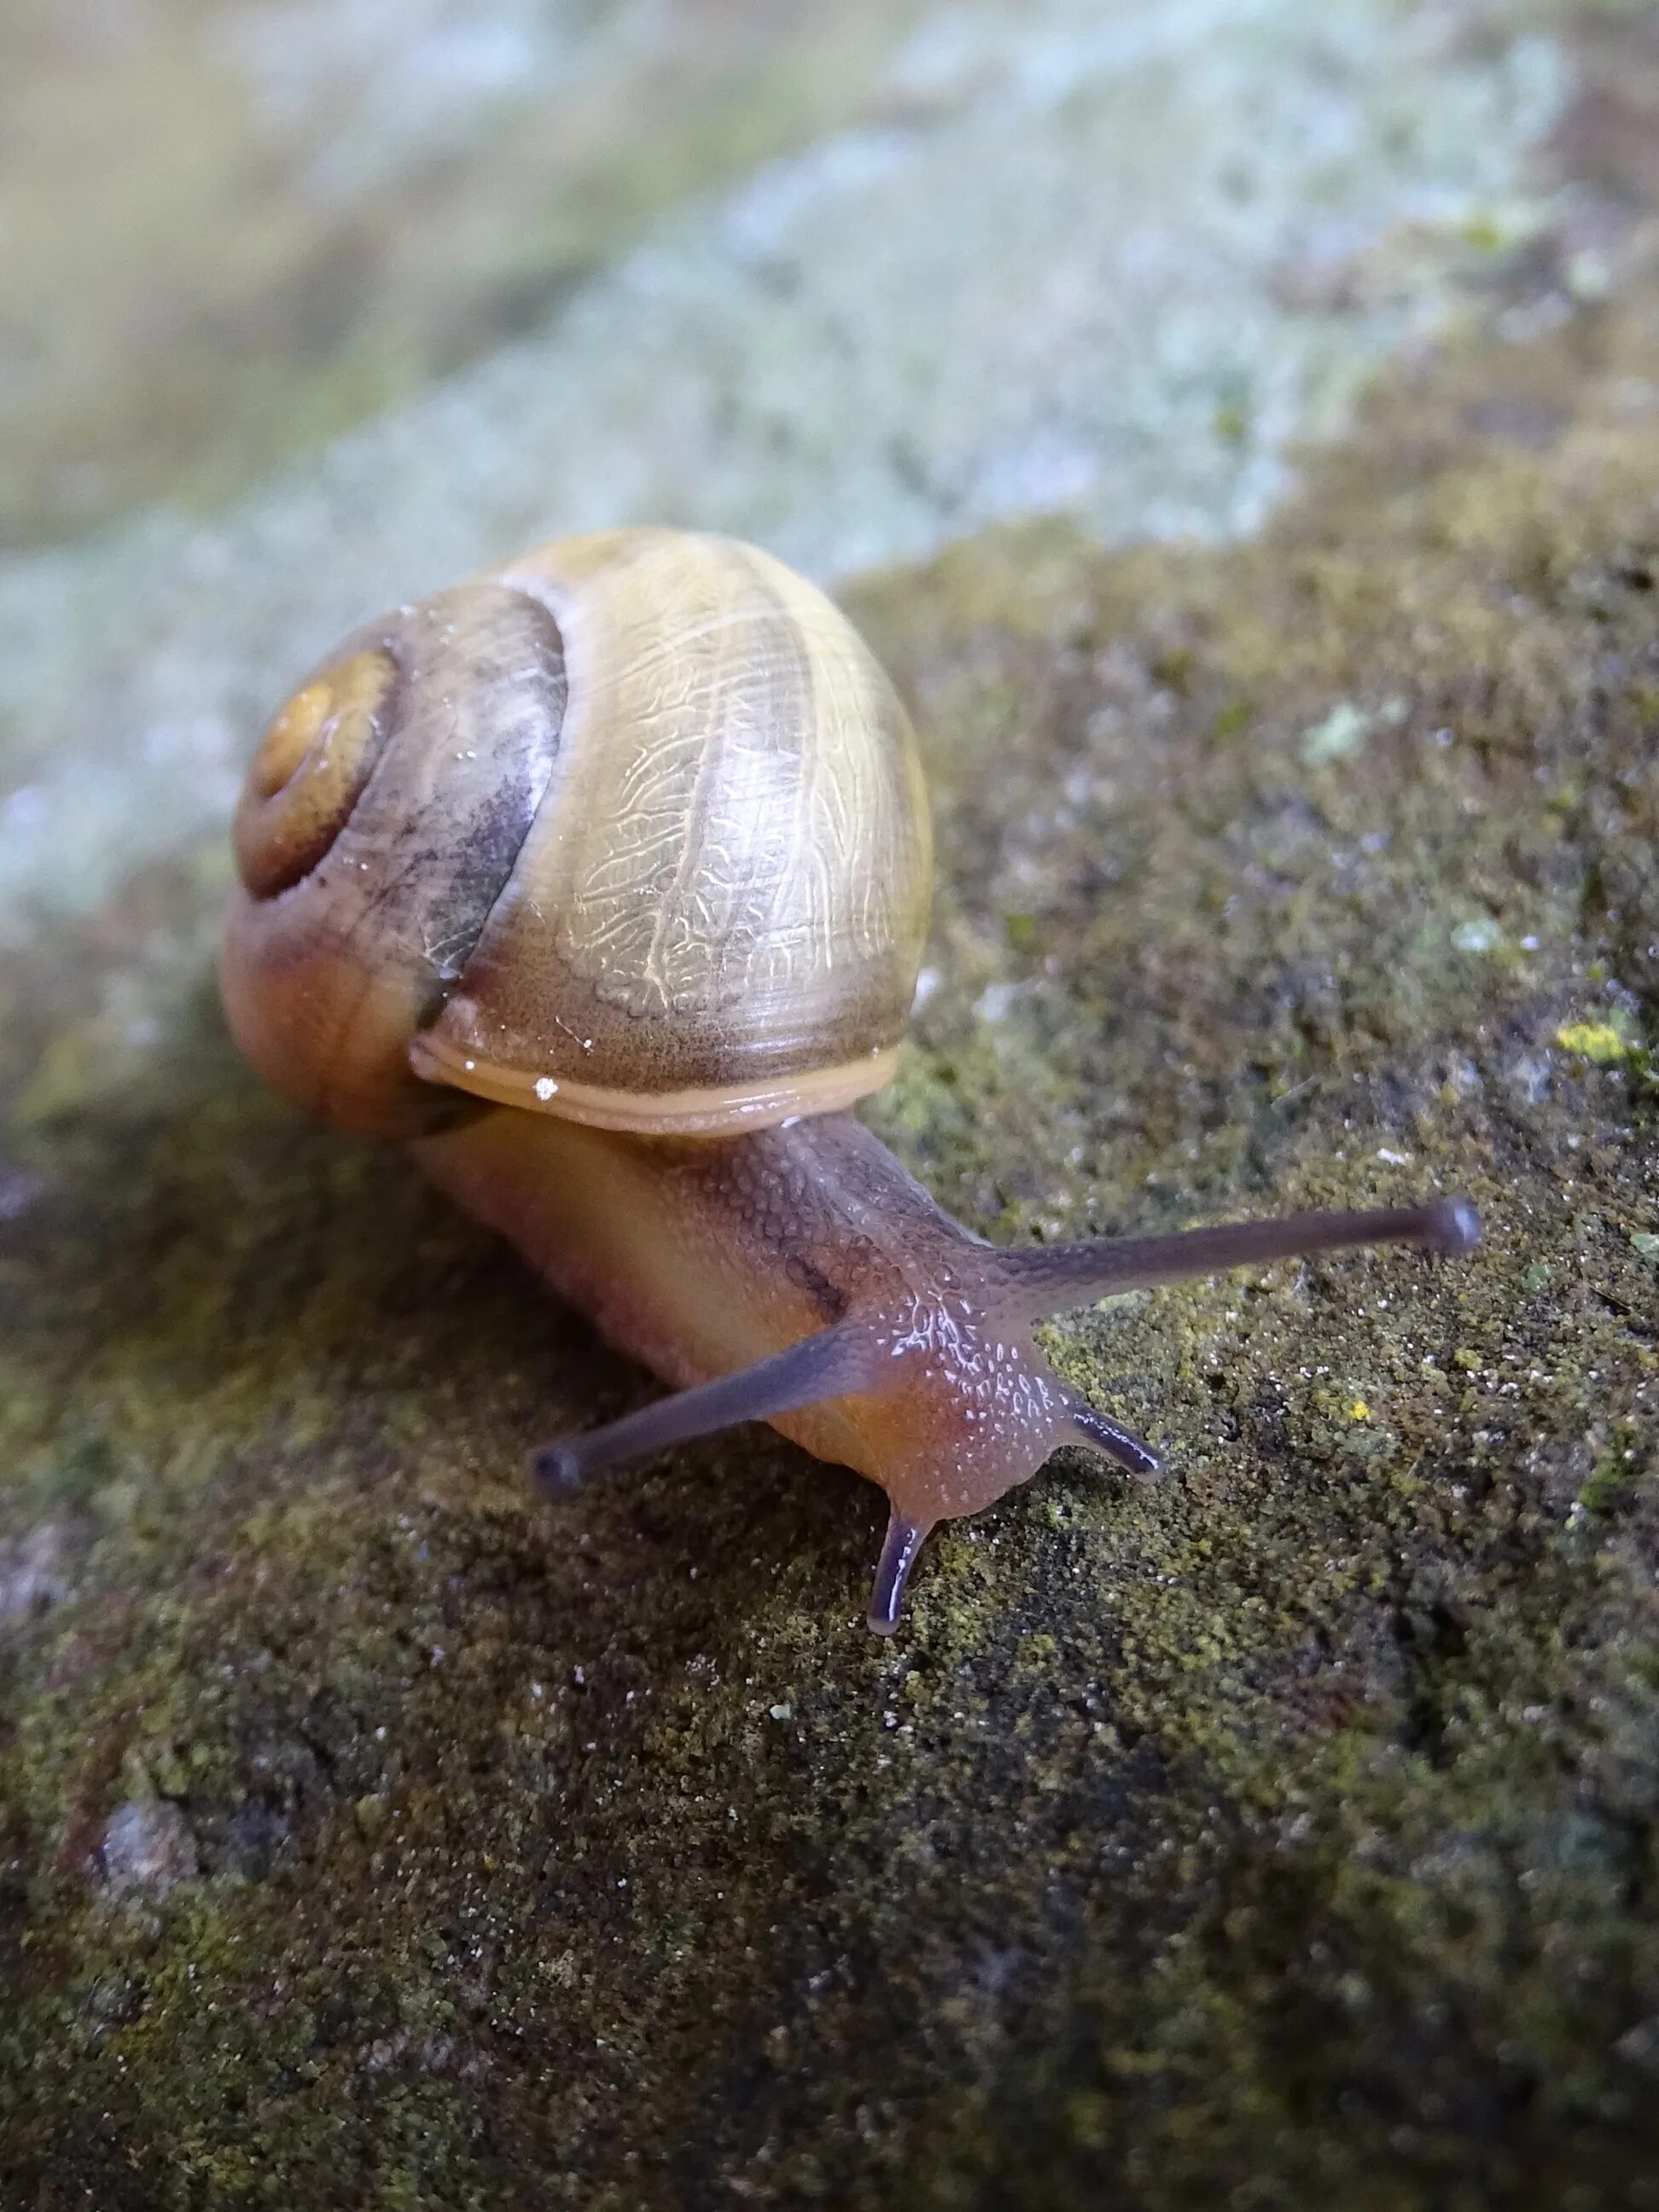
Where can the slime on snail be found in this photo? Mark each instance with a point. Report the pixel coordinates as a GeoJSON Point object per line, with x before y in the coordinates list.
{"type": "Point", "coordinates": [601, 882]}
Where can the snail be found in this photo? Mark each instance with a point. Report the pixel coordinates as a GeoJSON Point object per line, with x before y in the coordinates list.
{"type": "Point", "coordinates": [600, 883]}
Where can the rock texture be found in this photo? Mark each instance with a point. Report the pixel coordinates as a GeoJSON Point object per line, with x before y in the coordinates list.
{"type": "Point", "coordinates": [1284, 1833]}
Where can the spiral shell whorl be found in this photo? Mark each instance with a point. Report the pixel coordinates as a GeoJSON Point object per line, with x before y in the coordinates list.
{"type": "Point", "coordinates": [368, 873]}
{"type": "Point", "coordinates": [310, 770]}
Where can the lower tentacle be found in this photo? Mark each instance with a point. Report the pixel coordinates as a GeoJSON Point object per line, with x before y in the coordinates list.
{"type": "Point", "coordinates": [903, 1541]}
{"type": "Point", "coordinates": [1119, 1444]}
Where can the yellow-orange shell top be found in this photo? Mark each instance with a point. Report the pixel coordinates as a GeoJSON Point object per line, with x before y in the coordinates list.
{"type": "Point", "coordinates": [631, 830]}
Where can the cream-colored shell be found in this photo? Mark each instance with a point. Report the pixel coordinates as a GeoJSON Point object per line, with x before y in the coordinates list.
{"type": "Point", "coordinates": [716, 905]}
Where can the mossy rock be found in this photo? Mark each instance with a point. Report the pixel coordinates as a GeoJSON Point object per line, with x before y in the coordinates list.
{"type": "Point", "coordinates": [1284, 1832]}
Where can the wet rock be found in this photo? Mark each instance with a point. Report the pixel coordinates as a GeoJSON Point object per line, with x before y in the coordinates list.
{"type": "Point", "coordinates": [148, 1846]}
{"type": "Point", "coordinates": [34, 1573]}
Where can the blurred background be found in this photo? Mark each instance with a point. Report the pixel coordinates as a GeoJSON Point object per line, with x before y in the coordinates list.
{"type": "Point", "coordinates": [307, 306]}
{"type": "Point", "coordinates": [868, 272]}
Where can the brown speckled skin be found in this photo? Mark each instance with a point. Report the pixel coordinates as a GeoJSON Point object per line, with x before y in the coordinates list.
{"type": "Point", "coordinates": [701, 1257]}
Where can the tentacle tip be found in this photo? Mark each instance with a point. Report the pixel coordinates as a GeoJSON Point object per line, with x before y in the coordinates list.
{"type": "Point", "coordinates": [1454, 1226]}
{"type": "Point", "coordinates": [557, 1467]}
{"type": "Point", "coordinates": [1119, 1444]}
{"type": "Point", "coordinates": [898, 1555]}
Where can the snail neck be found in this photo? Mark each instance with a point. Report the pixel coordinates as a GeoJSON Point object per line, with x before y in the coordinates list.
{"type": "Point", "coordinates": [711, 1260]}
{"type": "Point", "coordinates": [697, 1255]}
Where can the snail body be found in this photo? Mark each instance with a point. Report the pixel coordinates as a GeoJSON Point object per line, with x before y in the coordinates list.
{"type": "Point", "coordinates": [601, 882]}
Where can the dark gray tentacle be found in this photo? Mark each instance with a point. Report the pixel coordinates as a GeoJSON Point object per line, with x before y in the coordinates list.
{"type": "Point", "coordinates": [1051, 1277]}
{"type": "Point", "coordinates": [831, 1364]}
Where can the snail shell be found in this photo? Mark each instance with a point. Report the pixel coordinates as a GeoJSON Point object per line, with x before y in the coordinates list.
{"type": "Point", "coordinates": [631, 831]}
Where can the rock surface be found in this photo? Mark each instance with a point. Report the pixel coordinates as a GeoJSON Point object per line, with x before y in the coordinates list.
{"type": "Point", "coordinates": [148, 1845]}
{"type": "Point", "coordinates": [1285, 1832]}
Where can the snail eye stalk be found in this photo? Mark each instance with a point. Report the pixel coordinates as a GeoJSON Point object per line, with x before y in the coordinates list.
{"type": "Point", "coordinates": [833, 1364]}
{"type": "Point", "coordinates": [1052, 1278]}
